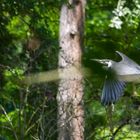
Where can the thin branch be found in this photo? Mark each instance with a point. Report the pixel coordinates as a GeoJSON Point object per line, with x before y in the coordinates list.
{"type": "Point", "coordinates": [10, 122]}
{"type": "Point", "coordinates": [119, 128]}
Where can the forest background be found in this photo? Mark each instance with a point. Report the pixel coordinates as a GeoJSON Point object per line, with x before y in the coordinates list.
{"type": "Point", "coordinates": [29, 44]}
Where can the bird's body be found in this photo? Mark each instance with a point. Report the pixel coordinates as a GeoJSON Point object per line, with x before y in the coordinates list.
{"type": "Point", "coordinates": [118, 73]}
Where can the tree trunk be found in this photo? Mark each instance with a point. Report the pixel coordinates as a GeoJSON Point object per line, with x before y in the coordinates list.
{"type": "Point", "coordinates": [70, 92]}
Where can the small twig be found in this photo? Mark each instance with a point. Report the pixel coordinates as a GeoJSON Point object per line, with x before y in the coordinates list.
{"type": "Point", "coordinates": [3, 66]}
{"type": "Point", "coordinates": [119, 128]}
{"type": "Point", "coordinates": [10, 122]}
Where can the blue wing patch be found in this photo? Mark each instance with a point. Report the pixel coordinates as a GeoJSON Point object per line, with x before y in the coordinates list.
{"type": "Point", "coordinates": [112, 91]}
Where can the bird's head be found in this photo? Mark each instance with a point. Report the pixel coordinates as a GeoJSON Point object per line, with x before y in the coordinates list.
{"type": "Point", "coordinates": [107, 63]}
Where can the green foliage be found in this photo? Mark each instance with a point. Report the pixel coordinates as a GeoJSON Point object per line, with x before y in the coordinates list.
{"type": "Point", "coordinates": [29, 44]}
{"type": "Point", "coordinates": [17, 27]}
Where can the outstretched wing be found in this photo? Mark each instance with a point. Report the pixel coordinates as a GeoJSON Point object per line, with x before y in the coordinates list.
{"type": "Point", "coordinates": [113, 89]}
{"type": "Point", "coordinates": [127, 60]}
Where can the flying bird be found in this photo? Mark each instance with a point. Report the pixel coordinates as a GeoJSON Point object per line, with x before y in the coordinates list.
{"type": "Point", "coordinates": [118, 74]}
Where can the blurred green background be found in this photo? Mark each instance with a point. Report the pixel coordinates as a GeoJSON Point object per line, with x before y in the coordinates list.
{"type": "Point", "coordinates": [29, 43]}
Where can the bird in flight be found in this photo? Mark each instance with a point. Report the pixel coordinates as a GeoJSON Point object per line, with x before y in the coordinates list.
{"type": "Point", "coordinates": [118, 74]}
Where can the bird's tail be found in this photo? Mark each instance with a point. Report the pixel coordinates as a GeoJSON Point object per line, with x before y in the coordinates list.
{"type": "Point", "coordinates": [112, 91]}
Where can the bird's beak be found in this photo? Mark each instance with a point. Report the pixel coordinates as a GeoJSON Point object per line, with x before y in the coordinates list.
{"type": "Point", "coordinates": [104, 62]}
{"type": "Point", "coordinates": [99, 61]}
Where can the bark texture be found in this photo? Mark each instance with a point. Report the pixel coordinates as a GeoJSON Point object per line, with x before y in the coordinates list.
{"type": "Point", "coordinates": [70, 92]}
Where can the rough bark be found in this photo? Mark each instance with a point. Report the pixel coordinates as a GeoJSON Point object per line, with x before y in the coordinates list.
{"type": "Point", "coordinates": [70, 92]}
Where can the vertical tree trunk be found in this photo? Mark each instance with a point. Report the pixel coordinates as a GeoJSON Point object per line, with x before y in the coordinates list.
{"type": "Point", "coordinates": [70, 92]}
